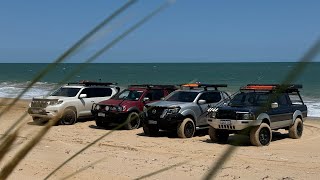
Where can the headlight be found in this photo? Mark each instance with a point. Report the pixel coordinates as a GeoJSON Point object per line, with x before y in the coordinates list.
{"type": "Point", "coordinates": [173, 110]}
{"type": "Point", "coordinates": [51, 103]}
{"type": "Point", "coordinates": [213, 114]}
{"type": "Point", "coordinates": [145, 109]}
{"type": "Point", "coordinates": [247, 116]}
{"type": "Point", "coordinates": [113, 108]}
{"type": "Point", "coordinates": [107, 108]}
{"type": "Point", "coordinates": [119, 108]}
{"type": "Point", "coordinates": [98, 107]}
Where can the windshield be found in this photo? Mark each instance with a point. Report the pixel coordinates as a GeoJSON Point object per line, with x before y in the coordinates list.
{"type": "Point", "coordinates": [182, 96]}
{"type": "Point", "coordinates": [66, 92]}
{"type": "Point", "coordinates": [131, 95]}
{"type": "Point", "coordinates": [250, 99]}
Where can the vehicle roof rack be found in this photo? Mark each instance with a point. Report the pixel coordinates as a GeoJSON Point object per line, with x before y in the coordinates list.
{"type": "Point", "coordinates": [273, 87]}
{"type": "Point", "coordinates": [92, 83]}
{"type": "Point", "coordinates": [151, 86]}
{"type": "Point", "coordinates": [201, 85]}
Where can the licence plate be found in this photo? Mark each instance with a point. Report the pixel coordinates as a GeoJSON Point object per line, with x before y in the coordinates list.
{"type": "Point", "coordinates": [152, 122]}
{"type": "Point", "coordinates": [102, 114]}
{"type": "Point", "coordinates": [225, 122]}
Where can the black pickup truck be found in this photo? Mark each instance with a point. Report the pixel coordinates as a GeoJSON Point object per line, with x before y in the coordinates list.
{"type": "Point", "coordinates": [256, 110]}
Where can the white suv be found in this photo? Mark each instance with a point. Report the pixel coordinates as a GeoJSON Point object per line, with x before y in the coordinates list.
{"type": "Point", "coordinates": [71, 102]}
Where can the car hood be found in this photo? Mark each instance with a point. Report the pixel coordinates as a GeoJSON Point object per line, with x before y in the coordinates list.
{"type": "Point", "coordinates": [169, 103]}
{"type": "Point", "coordinates": [117, 102]}
{"type": "Point", "coordinates": [251, 109]}
{"type": "Point", "coordinates": [53, 98]}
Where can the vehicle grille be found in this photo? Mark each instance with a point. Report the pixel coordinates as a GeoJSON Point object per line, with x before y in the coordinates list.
{"type": "Point", "coordinates": [39, 103]}
{"type": "Point", "coordinates": [226, 127]}
{"type": "Point", "coordinates": [155, 112]}
{"type": "Point", "coordinates": [226, 114]}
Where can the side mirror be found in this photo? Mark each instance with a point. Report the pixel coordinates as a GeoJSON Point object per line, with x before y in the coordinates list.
{"type": "Point", "coordinates": [201, 101]}
{"type": "Point", "coordinates": [145, 99]}
{"type": "Point", "coordinates": [82, 96]}
{"type": "Point", "coordinates": [274, 105]}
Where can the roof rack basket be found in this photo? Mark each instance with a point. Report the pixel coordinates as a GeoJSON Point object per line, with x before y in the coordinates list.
{"type": "Point", "coordinates": [205, 86]}
{"type": "Point", "coordinates": [92, 83]}
{"type": "Point", "coordinates": [273, 87]}
{"type": "Point", "coordinates": [150, 86]}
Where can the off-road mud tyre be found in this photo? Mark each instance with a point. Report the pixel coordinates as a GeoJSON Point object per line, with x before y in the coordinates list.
{"type": "Point", "coordinates": [186, 128]}
{"type": "Point", "coordinates": [150, 130]}
{"type": "Point", "coordinates": [69, 117]}
{"type": "Point", "coordinates": [133, 121]}
{"type": "Point", "coordinates": [101, 123]}
{"type": "Point", "coordinates": [217, 135]}
{"type": "Point", "coordinates": [295, 131]}
{"type": "Point", "coordinates": [261, 135]}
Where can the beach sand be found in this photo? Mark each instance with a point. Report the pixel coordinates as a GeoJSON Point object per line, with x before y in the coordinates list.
{"type": "Point", "coordinates": [130, 154]}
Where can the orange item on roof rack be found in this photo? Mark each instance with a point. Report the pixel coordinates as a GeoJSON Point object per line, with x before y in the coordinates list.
{"type": "Point", "coordinates": [261, 87]}
{"type": "Point", "coordinates": [191, 85]}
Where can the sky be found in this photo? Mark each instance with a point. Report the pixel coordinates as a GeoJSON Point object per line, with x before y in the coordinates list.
{"type": "Point", "coordinates": [38, 31]}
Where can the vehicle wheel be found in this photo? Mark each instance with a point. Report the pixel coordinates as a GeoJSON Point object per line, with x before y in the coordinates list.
{"type": "Point", "coordinates": [186, 128]}
{"type": "Point", "coordinates": [217, 135]}
{"type": "Point", "coordinates": [295, 131]}
{"type": "Point", "coordinates": [69, 117]}
{"type": "Point", "coordinates": [150, 130]}
{"type": "Point", "coordinates": [100, 123]}
{"type": "Point", "coordinates": [261, 135]}
{"type": "Point", "coordinates": [133, 120]}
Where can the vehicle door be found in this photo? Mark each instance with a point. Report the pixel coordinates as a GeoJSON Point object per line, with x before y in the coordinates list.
{"type": "Point", "coordinates": [93, 95]}
{"type": "Point", "coordinates": [282, 115]}
{"type": "Point", "coordinates": [211, 100]}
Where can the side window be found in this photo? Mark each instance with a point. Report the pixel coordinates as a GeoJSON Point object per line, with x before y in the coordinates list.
{"type": "Point", "coordinates": [101, 92]}
{"type": "Point", "coordinates": [225, 96]}
{"type": "Point", "coordinates": [157, 94]}
{"type": "Point", "coordinates": [282, 100]}
{"type": "Point", "coordinates": [86, 91]}
{"type": "Point", "coordinates": [211, 97]}
{"type": "Point", "coordinates": [97, 92]}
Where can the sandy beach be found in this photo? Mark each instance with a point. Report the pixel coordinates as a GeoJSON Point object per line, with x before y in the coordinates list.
{"type": "Point", "coordinates": [129, 154]}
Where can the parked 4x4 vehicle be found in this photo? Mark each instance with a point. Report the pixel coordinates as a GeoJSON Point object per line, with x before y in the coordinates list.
{"type": "Point", "coordinates": [256, 110]}
{"type": "Point", "coordinates": [183, 111]}
{"type": "Point", "coordinates": [127, 105]}
{"type": "Point", "coordinates": [71, 101]}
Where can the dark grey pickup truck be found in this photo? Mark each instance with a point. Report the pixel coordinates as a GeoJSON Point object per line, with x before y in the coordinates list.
{"type": "Point", "coordinates": [256, 110]}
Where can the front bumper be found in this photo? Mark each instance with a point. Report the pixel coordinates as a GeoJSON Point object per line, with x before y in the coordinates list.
{"type": "Point", "coordinates": [44, 113]}
{"type": "Point", "coordinates": [168, 122]}
{"type": "Point", "coordinates": [110, 117]}
{"type": "Point", "coordinates": [231, 124]}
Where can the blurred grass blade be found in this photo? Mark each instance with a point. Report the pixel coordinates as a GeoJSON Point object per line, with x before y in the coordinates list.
{"type": "Point", "coordinates": [84, 168]}
{"type": "Point", "coordinates": [7, 143]}
{"type": "Point", "coordinates": [161, 170]}
{"type": "Point", "coordinates": [9, 167]}
{"type": "Point", "coordinates": [69, 52]}
{"type": "Point", "coordinates": [223, 159]}
{"type": "Point", "coordinates": [65, 55]}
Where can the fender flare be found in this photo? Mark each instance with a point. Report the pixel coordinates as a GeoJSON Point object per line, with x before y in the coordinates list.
{"type": "Point", "coordinates": [263, 116]}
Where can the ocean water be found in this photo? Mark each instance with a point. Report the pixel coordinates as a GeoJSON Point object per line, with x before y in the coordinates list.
{"type": "Point", "coordinates": [15, 77]}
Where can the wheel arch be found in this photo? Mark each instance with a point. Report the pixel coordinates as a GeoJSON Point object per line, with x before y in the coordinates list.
{"type": "Point", "coordinates": [72, 108]}
{"type": "Point", "coordinates": [264, 118]}
{"type": "Point", "coordinates": [297, 114]}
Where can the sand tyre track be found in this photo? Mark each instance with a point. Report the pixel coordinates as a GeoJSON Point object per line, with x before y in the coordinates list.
{"type": "Point", "coordinates": [217, 135]}
{"type": "Point", "coordinates": [261, 135]}
{"type": "Point", "coordinates": [133, 120]}
{"type": "Point", "coordinates": [69, 117]}
{"type": "Point", "coordinates": [186, 128]}
{"type": "Point", "coordinates": [150, 130]}
{"type": "Point", "coordinates": [295, 131]}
